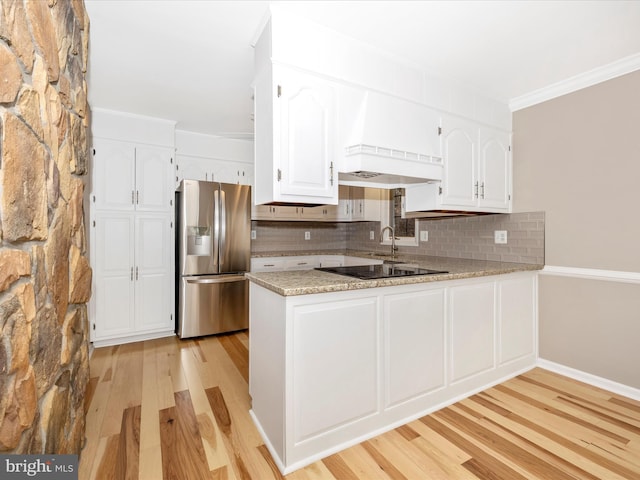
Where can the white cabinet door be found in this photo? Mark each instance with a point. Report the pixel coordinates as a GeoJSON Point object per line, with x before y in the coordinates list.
{"type": "Point", "coordinates": [294, 138]}
{"type": "Point", "coordinates": [472, 326]}
{"type": "Point", "coordinates": [303, 111]}
{"type": "Point", "coordinates": [334, 366]}
{"type": "Point", "coordinates": [319, 213]}
{"type": "Point", "coordinates": [262, 212]}
{"type": "Point", "coordinates": [154, 172]}
{"type": "Point", "coordinates": [192, 168]}
{"type": "Point", "coordinates": [494, 169]}
{"type": "Point", "coordinates": [517, 319]}
{"type": "Point", "coordinates": [414, 333]}
{"type": "Point", "coordinates": [356, 195]}
{"type": "Point", "coordinates": [113, 175]}
{"type": "Point", "coordinates": [285, 212]}
{"type": "Point", "coordinates": [459, 145]}
{"type": "Point", "coordinates": [153, 272]}
{"type": "Point", "coordinates": [113, 252]}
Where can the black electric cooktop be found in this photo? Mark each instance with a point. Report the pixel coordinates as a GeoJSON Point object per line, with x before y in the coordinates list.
{"type": "Point", "coordinates": [385, 270]}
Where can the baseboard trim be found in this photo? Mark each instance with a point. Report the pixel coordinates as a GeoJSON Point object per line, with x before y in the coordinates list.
{"type": "Point", "coordinates": [594, 380]}
{"type": "Point", "coordinates": [109, 342]}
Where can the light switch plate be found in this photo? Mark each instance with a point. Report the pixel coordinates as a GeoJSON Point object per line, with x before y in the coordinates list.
{"type": "Point", "coordinates": [253, 234]}
{"type": "Point", "coordinates": [424, 236]}
{"type": "Point", "coordinates": [372, 235]}
{"type": "Point", "coordinates": [307, 235]}
{"type": "Point", "coordinates": [500, 236]}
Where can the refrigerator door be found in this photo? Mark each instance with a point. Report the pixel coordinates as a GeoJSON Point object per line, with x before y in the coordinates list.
{"type": "Point", "coordinates": [212, 304]}
{"type": "Point", "coordinates": [198, 228]}
{"type": "Point", "coordinates": [235, 228]}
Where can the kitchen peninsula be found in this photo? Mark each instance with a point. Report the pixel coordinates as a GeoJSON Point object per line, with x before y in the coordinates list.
{"type": "Point", "coordinates": [335, 360]}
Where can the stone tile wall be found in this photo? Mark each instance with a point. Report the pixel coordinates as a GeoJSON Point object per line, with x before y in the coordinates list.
{"type": "Point", "coordinates": [45, 278]}
{"type": "Point", "coordinates": [459, 237]}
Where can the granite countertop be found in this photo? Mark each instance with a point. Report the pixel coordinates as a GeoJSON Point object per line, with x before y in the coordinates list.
{"type": "Point", "coordinates": [305, 282]}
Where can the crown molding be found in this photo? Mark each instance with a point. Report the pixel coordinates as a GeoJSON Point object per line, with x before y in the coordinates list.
{"type": "Point", "coordinates": [597, 75]}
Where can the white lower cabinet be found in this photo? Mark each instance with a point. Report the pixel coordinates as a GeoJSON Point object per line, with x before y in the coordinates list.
{"type": "Point", "coordinates": [133, 265]}
{"type": "Point", "coordinates": [329, 370]}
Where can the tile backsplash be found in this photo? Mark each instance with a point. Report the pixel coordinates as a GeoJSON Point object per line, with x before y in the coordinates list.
{"type": "Point", "coordinates": [290, 236]}
{"type": "Point", "coordinates": [458, 237]}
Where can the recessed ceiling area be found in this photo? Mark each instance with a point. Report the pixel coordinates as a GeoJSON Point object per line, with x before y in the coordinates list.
{"type": "Point", "coordinates": [192, 61]}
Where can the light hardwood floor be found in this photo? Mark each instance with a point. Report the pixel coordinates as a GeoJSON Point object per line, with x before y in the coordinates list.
{"type": "Point", "coordinates": [172, 409]}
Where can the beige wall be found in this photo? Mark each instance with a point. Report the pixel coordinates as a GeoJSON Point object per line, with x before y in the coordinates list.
{"type": "Point", "coordinates": [577, 158]}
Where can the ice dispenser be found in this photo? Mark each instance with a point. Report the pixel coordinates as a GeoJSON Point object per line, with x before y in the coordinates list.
{"type": "Point", "coordinates": [199, 241]}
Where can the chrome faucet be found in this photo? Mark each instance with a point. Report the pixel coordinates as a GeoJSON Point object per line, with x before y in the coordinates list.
{"type": "Point", "coordinates": [393, 238]}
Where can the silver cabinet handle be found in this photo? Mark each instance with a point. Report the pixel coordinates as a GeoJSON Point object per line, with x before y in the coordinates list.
{"type": "Point", "coordinates": [136, 273]}
{"type": "Point", "coordinates": [482, 186]}
{"type": "Point", "coordinates": [476, 189]}
{"type": "Point", "coordinates": [132, 274]}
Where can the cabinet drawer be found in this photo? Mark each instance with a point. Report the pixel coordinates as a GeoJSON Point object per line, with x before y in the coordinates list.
{"type": "Point", "coordinates": [301, 263]}
{"type": "Point", "coordinates": [267, 264]}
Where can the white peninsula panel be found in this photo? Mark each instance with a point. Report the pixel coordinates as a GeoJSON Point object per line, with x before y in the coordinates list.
{"type": "Point", "coordinates": [329, 370]}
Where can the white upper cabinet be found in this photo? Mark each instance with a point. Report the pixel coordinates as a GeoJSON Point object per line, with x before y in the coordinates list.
{"type": "Point", "coordinates": [131, 177]}
{"type": "Point", "coordinates": [154, 169]}
{"type": "Point", "coordinates": [494, 169]}
{"type": "Point", "coordinates": [114, 175]}
{"type": "Point", "coordinates": [477, 171]}
{"type": "Point", "coordinates": [212, 170]}
{"type": "Point", "coordinates": [477, 167]}
{"type": "Point", "coordinates": [294, 139]}
{"type": "Point", "coordinates": [459, 148]}
{"type": "Point", "coordinates": [303, 112]}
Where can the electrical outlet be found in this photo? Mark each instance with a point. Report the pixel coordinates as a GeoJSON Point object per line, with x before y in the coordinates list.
{"type": "Point", "coordinates": [424, 236]}
{"type": "Point", "coordinates": [372, 235]}
{"type": "Point", "coordinates": [307, 235]}
{"type": "Point", "coordinates": [253, 234]}
{"type": "Point", "coordinates": [500, 236]}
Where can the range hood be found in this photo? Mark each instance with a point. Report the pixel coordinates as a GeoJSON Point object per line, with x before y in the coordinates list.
{"type": "Point", "coordinates": [391, 144]}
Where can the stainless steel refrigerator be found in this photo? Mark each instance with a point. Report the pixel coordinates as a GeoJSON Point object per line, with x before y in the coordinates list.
{"type": "Point", "coordinates": [213, 250]}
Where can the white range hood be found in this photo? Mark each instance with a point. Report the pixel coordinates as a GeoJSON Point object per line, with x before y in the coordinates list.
{"type": "Point", "coordinates": [393, 143]}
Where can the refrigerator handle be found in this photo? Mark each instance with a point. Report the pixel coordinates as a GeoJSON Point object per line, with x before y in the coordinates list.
{"type": "Point", "coordinates": [223, 226]}
{"type": "Point", "coordinates": [216, 227]}
{"type": "Point", "coordinates": [216, 279]}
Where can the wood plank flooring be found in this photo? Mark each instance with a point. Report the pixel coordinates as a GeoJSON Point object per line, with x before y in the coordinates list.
{"type": "Point", "coordinates": [178, 409]}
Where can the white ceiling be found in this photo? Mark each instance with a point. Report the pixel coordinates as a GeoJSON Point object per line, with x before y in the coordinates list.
{"type": "Point", "coordinates": [192, 61]}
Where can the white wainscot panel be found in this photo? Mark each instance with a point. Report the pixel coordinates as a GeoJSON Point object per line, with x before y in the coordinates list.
{"type": "Point", "coordinates": [335, 365]}
{"type": "Point", "coordinates": [472, 317]}
{"type": "Point", "coordinates": [414, 345]}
